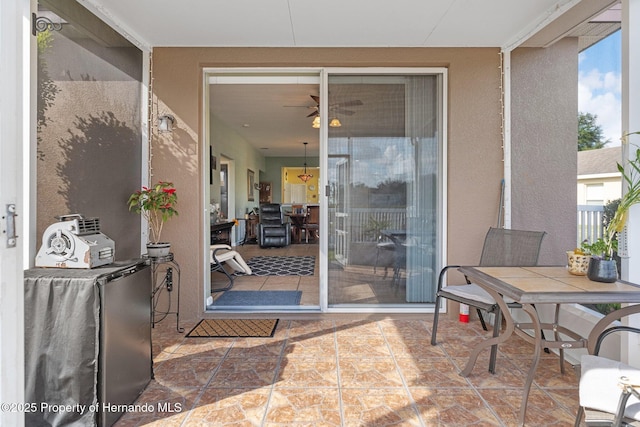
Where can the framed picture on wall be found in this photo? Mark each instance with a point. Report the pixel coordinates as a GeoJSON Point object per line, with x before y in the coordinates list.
{"type": "Point", "coordinates": [251, 180]}
{"type": "Point", "coordinates": [212, 163]}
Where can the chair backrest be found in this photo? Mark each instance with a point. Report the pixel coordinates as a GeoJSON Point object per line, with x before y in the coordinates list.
{"type": "Point", "coordinates": [270, 214]}
{"type": "Point", "coordinates": [313, 215]}
{"type": "Point", "coordinates": [505, 248]}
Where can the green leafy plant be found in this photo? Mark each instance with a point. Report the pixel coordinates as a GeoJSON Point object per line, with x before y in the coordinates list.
{"type": "Point", "coordinates": [599, 248]}
{"type": "Point", "coordinates": [374, 227]}
{"type": "Point", "coordinates": [156, 204]}
{"type": "Point", "coordinates": [608, 244]}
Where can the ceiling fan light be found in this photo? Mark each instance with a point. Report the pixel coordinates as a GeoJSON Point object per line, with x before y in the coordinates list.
{"type": "Point", "coordinates": [316, 123]}
{"type": "Point", "coordinates": [335, 123]}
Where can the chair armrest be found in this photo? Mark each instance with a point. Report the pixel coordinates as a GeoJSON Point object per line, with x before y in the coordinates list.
{"type": "Point", "coordinates": [220, 246]}
{"type": "Point", "coordinates": [630, 387]}
{"type": "Point", "coordinates": [443, 273]}
{"type": "Point", "coordinates": [610, 331]}
{"type": "Point", "coordinates": [214, 249]}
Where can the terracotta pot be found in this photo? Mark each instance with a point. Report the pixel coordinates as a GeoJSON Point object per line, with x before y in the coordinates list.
{"type": "Point", "coordinates": [603, 270]}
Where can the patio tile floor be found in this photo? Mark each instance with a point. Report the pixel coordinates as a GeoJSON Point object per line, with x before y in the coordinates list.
{"type": "Point", "coordinates": [347, 372]}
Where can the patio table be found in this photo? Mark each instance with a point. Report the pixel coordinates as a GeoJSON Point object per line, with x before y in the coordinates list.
{"type": "Point", "coordinates": [531, 286]}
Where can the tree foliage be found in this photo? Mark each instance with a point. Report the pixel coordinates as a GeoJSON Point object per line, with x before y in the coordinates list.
{"type": "Point", "coordinates": [589, 132]}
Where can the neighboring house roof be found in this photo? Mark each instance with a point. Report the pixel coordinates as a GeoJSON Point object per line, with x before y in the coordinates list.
{"type": "Point", "coordinates": [602, 161]}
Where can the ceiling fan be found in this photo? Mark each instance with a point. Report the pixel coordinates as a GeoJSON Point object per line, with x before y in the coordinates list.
{"type": "Point", "coordinates": [335, 108]}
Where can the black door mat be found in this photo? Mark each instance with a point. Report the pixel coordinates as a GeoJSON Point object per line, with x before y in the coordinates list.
{"type": "Point", "coordinates": [227, 328]}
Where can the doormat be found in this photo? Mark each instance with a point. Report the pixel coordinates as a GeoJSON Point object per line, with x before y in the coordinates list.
{"type": "Point", "coordinates": [228, 328]}
{"type": "Point", "coordinates": [251, 298]}
{"type": "Point", "coordinates": [282, 265]}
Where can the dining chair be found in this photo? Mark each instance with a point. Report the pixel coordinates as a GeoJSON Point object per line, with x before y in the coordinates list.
{"type": "Point", "coordinates": [502, 248]}
{"type": "Point", "coordinates": [609, 390]}
{"type": "Point", "coordinates": [221, 255]}
{"type": "Point", "coordinates": [311, 222]}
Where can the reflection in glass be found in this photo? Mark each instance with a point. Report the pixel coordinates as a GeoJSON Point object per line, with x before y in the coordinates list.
{"type": "Point", "coordinates": [384, 185]}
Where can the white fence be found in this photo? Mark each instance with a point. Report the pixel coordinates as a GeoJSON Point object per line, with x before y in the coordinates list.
{"type": "Point", "coordinates": [589, 223]}
{"type": "Point", "coordinates": [364, 224]}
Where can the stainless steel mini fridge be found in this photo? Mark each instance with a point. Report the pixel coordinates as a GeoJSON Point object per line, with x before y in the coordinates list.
{"type": "Point", "coordinates": [87, 342]}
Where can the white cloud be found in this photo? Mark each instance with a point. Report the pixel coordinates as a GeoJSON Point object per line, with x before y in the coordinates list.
{"type": "Point", "coordinates": [599, 94]}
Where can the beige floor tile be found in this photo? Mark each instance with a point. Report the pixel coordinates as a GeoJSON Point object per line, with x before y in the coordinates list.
{"type": "Point", "coordinates": [246, 372]}
{"type": "Point", "coordinates": [452, 407]}
{"type": "Point", "coordinates": [307, 372]}
{"type": "Point", "coordinates": [186, 371]}
{"type": "Point", "coordinates": [304, 407]}
{"type": "Point", "coordinates": [542, 410]}
{"type": "Point", "coordinates": [377, 407]}
{"type": "Point", "coordinates": [364, 345]}
{"type": "Point", "coordinates": [348, 371]}
{"type": "Point", "coordinates": [161, 399]}
{"type": "Point", "coordinates": [368, 373]}
{"type": "Point", "coordinates": [230, 406]}
{"type": "Point", "coordinates": [426, 372]}
{"type": "Point", "coordinates": [411, 347]}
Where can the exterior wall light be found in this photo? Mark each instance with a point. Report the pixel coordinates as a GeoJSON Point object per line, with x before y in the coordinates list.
{"type": "Point", "coordinates": [165, 123]}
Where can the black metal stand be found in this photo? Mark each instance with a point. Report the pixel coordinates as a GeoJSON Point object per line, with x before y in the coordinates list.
{"type": "Point", "coordinates": [169, 282]}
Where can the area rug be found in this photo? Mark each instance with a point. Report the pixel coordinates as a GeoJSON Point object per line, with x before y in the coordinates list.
{"type": "Point", "coordinates": [249, 328]}
{"type": "Point", "coordinates": [282, 265]}
{"type": "Point", "coordinates": [271, 298]}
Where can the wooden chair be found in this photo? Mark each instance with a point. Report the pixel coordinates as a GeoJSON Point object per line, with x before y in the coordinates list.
{"type": "Point", "coordinates": [311, 222]}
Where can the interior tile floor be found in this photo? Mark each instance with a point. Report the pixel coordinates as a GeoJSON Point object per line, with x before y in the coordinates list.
{"type": "Point", "coordinates": [309, 285]}
{"type": "Point", "coordinates": [338, 371]}
{"type": "Point", "coordinates": [354, 284]}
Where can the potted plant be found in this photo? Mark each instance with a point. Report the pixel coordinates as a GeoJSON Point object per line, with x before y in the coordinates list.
{"type": "Point", "coordinates": [602, 266]}
{"type": "Point", "coordinates": [156, 204]}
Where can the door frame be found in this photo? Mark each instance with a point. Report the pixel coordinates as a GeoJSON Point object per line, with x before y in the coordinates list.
{"type": "Point", "coordinates": [323, 260]}
{"type": "Point", "coordinates": [442, 178]}
{"type": "Point", "coordinates": [205, 161]}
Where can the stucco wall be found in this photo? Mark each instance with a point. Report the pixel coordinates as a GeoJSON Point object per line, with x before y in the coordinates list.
{"type": "Point", "coordinates": [474, 139]}
{"type": "Point", "coordinates": [90, 136]}
{"type": "Point", "coordinates": [544, 144]}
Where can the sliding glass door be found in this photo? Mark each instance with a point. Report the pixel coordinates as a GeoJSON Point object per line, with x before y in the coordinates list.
{"type": "Point", "coordinates": [385, 145]}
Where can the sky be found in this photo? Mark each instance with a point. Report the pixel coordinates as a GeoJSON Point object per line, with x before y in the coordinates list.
{"type": "Point", "coordinates": [599, 85]}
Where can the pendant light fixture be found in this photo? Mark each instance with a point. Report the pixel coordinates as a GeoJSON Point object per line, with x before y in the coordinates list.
{"type": "Point", "coordinates": [305, 176]}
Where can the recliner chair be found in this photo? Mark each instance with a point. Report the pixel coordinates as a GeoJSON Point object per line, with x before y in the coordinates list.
{"type": "Point", "coordinates": [273, 231]}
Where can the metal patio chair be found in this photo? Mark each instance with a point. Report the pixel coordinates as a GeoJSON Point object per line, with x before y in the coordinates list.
{"type": "Point", "coordinates": [609, 390]}
{"type": "Point", "coordinates": [502, 248]}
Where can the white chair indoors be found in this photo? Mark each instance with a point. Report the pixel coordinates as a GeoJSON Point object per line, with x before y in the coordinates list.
{"type": "Point", "coordinates": [222, 255]}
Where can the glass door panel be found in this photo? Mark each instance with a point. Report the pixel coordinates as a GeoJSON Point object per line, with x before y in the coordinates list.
{"type": "Point", "coordinates": [384, 180]}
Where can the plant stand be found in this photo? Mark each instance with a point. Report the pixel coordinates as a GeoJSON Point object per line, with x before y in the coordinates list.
{"type": "Point", "coordinates": [169, 282]}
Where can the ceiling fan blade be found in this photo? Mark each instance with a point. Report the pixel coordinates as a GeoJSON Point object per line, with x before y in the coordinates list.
{"type": "Point", "coordinates": [315, 98]}
{"type": "Point", "coordinates": [343, 111]}
{"type": "Point", "coordinates": [352, 103]}
{"type": "Point", "coordinates": [315, 113]}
